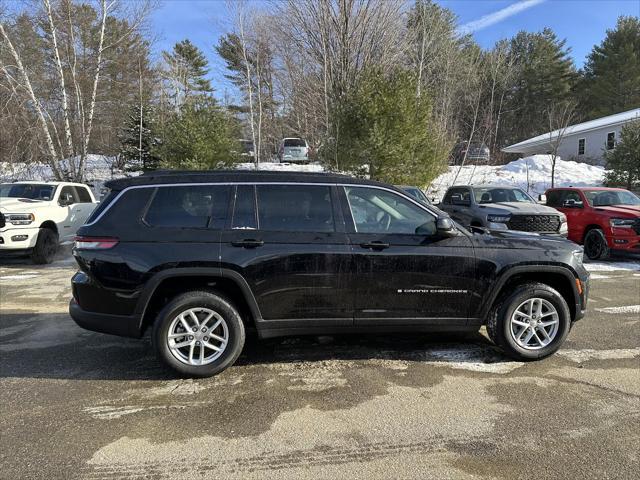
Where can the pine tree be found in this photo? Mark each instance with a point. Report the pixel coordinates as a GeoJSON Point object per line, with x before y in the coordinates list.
{"type": "Point", "coordinates": [138, 144]}
{"type": "Point", "coordinates": [544, 75]}
{"type": "Point", "coordinates": [623, 162]}
{"type": "Point", "coordinates": [186, 71]}
{"type": "Point", "coordinates": [612, 72]}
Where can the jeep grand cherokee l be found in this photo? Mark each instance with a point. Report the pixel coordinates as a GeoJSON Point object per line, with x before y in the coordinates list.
{"type": "Point", "coordinates": [199, 258]}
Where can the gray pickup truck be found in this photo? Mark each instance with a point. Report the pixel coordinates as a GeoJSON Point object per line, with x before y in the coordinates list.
{"type": "Point", "coordinates": [498, 207]}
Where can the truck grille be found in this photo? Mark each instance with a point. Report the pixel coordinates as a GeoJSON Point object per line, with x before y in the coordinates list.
{"type": "Point", "coordinates": [534, 223]}
{"type": "Point", "coordinates": [2, 222]}
{"type": "Point", "coordinates": [636, 226]}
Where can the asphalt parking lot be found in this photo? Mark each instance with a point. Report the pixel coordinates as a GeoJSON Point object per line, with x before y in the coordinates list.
{"type": "Point", "coordinates": [77, 404]}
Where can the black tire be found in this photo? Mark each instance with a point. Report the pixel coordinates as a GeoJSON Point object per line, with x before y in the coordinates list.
{"type": "Point", "coordinates": [199, 299]}
{"type": "Point", "coordinates": [595, 245]}
{"type": "Point", "coordinates": [46, 247]}
{"type": "Point", "coordinates": [499, 327]}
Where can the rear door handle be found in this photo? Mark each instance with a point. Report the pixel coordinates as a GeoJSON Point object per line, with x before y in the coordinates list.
{"type": "Point", "coordinates": [375, 245]}
{"type": "Point", "coordinates": [248, 243]}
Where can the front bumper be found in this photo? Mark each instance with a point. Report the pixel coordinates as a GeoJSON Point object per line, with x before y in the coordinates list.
{"type": "Point", "coordinates": [12, 238]}
{"type": "Point", "coordinates": [624, 239]}
{"type": "Point", "coordinates": [121, 325]}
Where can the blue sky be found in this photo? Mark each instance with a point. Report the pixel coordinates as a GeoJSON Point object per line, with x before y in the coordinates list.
{"type": "Point", "coordinates": [582, 22]}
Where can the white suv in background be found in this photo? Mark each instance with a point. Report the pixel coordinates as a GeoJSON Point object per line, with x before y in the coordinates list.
{"type": "Point", "coordinates": [35, 217]}
{"type": "Point", "coordinates": [294, 150]}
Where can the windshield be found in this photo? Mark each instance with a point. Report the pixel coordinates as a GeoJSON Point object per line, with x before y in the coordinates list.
{"type": "Point", "coordinates": [603, 198]}
{"type": "Point", "coordinates": [33, 191]}
{"type": "Point", "coordinates": [498, 195]}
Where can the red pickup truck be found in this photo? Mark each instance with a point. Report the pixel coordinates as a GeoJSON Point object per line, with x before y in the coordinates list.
{"type": "Point", "coordinates": [602, 219]}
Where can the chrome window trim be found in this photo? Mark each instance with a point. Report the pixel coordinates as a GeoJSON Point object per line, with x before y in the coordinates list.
{"type": "Point", "coordinates": [322, 184]}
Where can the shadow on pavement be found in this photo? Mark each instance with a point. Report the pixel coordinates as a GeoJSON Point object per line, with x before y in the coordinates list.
{"type": "Point", "coordinates": [52, 346]}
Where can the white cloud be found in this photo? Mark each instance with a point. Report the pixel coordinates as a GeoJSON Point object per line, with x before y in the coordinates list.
{"type": "Point", "coordinates": [495, 17]}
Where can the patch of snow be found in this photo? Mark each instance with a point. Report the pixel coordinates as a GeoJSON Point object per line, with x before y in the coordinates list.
{"type": "Point", "coordinates": [597, 276]}
{"type": "Point", "coordinates": [580, 356]}
{"type": "Point", "coordinates": [21, 276]}
{"type": "Point", "coordinates": [532, 174]}
{"type": "Point", "coordinates": [621, 309]}
{"type": "Point", "coordinates": [281, 167]}
{"type": "Point", "coordinates": [476, 358]}
{"type": "Point", "coordinates": [630, 266]}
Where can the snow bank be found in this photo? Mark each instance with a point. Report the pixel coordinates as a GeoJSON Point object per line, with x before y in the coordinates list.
{"type": "Point", "coordinates": [532, 174]}
{"type": "Point", "coordinates": [281, 167]}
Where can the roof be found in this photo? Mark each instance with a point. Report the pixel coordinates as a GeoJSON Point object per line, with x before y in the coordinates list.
{"type": "Point", "coordinates": [481, 185]}
{"type": "Point", "coordinates": [233, 176]}
{"type": "Point", "coordinates": [545, 138]}
{"type": "Point", "coordinates": [47, 182]}
{"type": "Point", "coordinates": [587, 188]}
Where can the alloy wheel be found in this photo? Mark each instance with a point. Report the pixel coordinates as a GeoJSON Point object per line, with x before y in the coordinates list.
{"type": "Point", "coordinates": [198, 336]}
{"type": "Point", "coordinates": [534, 324]}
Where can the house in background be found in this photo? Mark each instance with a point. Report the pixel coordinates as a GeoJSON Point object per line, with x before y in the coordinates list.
{"type": "Point", "coordinates": [584, 142]}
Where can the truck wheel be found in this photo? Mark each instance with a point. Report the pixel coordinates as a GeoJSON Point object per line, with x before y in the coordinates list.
{"type": "Point", "coordinates": [46, 247]}
{"type": "Point", "coordinates": [198, 334]}
{"type": "Point", "coordinates": [530, 322]}
{"type": "Point", "coordinates": [595, 245]}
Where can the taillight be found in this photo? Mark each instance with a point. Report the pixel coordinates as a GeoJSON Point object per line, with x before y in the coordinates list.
{"type": "Point", "coordinates": [95, 243]}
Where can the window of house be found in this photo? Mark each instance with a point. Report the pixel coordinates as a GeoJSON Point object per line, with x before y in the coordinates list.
{"type": "Point", "coordinates": [295, 208]}
{"type": "Point", "coordinates": [581, 143]}
{"type": "Point", "coordinates": [188, 207]}
{"type": "Point", "coordinates": [611, 140]}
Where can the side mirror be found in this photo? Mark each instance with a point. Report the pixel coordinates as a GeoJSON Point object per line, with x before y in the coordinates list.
{"type": "Point", "coordinates": [445, 227]}
{"type": "Point", "coordinates": [65, 200]}
{"type": "Point", "coordinates": [542, 198]}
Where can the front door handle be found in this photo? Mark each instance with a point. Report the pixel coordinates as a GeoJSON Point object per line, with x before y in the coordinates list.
{"type": "Point", "coordinates": [375, 245]}
{"type": "Point", "coordinates": [248, 243]}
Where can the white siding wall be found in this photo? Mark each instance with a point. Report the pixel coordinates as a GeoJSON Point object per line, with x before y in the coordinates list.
{"type": "Point", "coordinates": [595, 144]}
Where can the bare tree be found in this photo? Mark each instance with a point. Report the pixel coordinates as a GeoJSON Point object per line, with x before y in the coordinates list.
{"type": "Point", "coordinates": [66, 153]}
{"type": "Point", "coordinates": [560, 117]}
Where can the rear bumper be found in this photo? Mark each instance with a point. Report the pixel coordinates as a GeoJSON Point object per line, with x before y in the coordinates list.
{"type": "Point", "coordinates": [121, 325]}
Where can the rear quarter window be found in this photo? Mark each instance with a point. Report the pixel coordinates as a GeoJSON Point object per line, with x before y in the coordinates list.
{"type": "Point", "coordinates": [188, 207]}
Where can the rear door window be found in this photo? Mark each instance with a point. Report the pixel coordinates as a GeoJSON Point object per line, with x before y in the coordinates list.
{"type": "Point", "coordinates": [188, 207]}
{"type": "Point", "coordinates": [84, 195]}
{"type": "Point", "coordinates": [295, 208]}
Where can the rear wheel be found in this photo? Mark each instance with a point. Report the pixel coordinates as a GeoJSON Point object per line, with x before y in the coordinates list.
{"type": "Point", "coordinates": [595, 245]}
{"type": "Point", "coordinates": [530, 323]}
{"type": "Point", "coordinates": [199, 334]}
{"type": "Point", "coordinates": [46, 247]}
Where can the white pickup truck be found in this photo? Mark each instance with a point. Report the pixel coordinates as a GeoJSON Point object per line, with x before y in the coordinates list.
{"type": "Point", "coordinates": [35, 217]}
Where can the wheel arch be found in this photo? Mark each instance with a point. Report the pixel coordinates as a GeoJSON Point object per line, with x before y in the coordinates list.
{"type": "Point", "coordinates": [588, 228]}
{"type": "Point", "coordinates": [51, 225]}
{"type": "Point", "coordinates": [169, 283]}
{"type": "Point", "coordinates": [559, 278]}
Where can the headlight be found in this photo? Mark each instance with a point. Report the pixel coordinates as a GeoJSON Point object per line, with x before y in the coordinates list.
{"type": "Point", "coordinates": [498, 218]}
{"type": "Point", "coordinates": [577, 254]}
{"type": "Point", "coordinates": [622, 222]}
{"type": "Point", "coordinates": [20, 218]}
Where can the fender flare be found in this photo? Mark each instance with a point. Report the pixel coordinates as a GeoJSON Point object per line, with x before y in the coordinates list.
{"type": "Point", "coordinates": [214, 272]}
{"type": "Point", "coordinates": [510, 272]}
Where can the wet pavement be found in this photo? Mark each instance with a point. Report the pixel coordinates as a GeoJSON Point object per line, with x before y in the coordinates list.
{"type": "Point", "coordinates": [77, 404]}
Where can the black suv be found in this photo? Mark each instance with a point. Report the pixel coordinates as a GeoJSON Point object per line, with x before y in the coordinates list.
{"type": "Point", "coordinates": [201, 257]}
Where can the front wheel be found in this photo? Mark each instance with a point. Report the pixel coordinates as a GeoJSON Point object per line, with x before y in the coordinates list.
{"type": "Point", "coordinates": [46, 247]}
{"type": "Point", "coordinates": [198, 334]}
{"type": "Point", "coordinates": [595, 245]}
{"type": "Point", "coordinates": [530, 323]}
